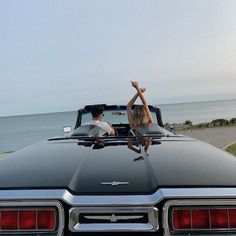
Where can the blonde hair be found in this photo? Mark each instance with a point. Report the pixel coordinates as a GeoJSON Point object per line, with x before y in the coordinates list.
{"type": "Point", "coordinates": [139, 115]}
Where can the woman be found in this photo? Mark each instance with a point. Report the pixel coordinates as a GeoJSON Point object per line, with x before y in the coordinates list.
{"type": "Point", "coordinates": [141, 113]}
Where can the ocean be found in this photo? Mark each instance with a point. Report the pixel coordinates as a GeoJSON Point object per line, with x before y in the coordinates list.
{"type": "Point", "coordinates": [19, 131]}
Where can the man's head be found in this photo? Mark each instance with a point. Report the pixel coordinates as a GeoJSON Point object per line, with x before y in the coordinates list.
{"type": "Point", "coordinates": [97, 112]}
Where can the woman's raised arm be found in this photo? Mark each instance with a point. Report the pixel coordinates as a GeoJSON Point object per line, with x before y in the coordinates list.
{"type": "Point", "coordinates": [143, 99]}
{"type": "Point", "coordinates": [129, 110]}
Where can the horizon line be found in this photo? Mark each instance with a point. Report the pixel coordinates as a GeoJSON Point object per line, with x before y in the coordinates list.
{"type": "Point", "coordinates": [162, 104]}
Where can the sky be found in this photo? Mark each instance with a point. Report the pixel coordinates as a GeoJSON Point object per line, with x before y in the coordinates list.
{"type": "Point", "coordinates": [60, 55]}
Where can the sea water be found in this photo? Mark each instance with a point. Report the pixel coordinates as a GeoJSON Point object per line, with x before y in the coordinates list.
{"type": "Point", "coordinates": [19, 131]}
{"type": "Point", "coordinates": [198, 112]}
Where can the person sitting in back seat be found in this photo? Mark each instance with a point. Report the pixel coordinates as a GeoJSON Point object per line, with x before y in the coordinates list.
{"type": "Point", "coordinates": [141, 113]}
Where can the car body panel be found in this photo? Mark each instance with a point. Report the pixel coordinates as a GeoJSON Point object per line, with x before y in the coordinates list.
{"type": "Point", "coordinates": [82, 169]}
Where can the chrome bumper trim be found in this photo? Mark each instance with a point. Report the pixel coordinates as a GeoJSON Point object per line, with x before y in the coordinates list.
{"type": "Point", "coordinates": [117, 200]}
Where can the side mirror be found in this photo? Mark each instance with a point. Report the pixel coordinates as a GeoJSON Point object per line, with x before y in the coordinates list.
{"type": "Point", "coordinates": [67, 129]}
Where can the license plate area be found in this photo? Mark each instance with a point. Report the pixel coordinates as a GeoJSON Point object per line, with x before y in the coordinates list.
{"type": "Point", "coordinates": [109, 219]}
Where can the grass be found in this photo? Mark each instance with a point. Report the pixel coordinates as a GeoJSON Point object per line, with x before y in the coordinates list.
{"type": "Point", "coordinates": [4, 154]}
{"type": "Point", "coordinates": [180, 127]}
{"type": "Point", "coordinates": [209, 125]}
{"type": "Point", "coordinates": [213, 125]}
{"type": "Point", "coordinates": [231, 149]}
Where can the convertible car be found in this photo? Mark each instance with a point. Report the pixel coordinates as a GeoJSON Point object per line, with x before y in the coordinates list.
{"type": "Point", "coordinates": [145, 181]}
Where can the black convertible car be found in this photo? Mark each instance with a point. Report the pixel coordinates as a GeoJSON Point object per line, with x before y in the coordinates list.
{"type": "Point", "coordinates": [146, 181]}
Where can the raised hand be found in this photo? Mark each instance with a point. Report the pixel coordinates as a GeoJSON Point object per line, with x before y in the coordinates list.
{"type": "Point", "coordinates": [142, 90]}
{"type": "Point", "coordinates": [135, 84]}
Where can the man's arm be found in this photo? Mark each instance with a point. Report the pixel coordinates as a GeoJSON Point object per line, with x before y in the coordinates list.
{"type": "Point", "coordinates": [112, 131]}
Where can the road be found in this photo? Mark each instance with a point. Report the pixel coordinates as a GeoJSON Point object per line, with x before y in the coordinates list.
{"type": "Point", "coordinates": [219, 137]}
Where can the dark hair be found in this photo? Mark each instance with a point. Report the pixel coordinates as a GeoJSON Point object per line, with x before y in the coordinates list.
{"type": "Point", "coordinates": [96, 110]}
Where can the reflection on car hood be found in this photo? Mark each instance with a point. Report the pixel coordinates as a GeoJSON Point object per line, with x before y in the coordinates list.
{"type": "Point", "coordinates": [117, 168]}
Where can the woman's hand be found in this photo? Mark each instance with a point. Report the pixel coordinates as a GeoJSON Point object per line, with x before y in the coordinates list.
{"type": "Point", "coordinates": [142, 90]}
{"type": "Point", "coordinates": [135, 84]}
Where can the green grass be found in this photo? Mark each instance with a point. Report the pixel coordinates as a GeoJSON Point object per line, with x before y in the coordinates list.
{"type": "Point", "coordinates": [189, 126]}
{"type": "Point", "coordinates": [2, 154]}
{"type": "Point", "coordinates": [210, 125]}
{"type": "Point", "coordinates": [214, 123]}
{"type": "Point", "coordinates": [232, 149]}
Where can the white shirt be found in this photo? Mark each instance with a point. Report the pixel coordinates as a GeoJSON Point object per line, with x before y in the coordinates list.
{"type": "Point", "coordinates": [103, 125]}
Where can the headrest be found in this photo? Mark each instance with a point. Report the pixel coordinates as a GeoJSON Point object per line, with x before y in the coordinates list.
{"type": "Point", "coordinates": [148, 130]}
{"type": "Point", "coordinates": [89, 131]}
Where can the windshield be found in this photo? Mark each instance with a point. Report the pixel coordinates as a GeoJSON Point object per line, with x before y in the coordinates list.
{"type": "Point", "coordinates": [113, 116]}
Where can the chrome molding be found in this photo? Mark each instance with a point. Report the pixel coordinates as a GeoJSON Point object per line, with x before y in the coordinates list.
{"type": "Point", "coordinates": [35, 204]}
{"type": "Point", "coordinates": [200, 202]}
{"type": "Point", "coordinates": [114, 183]}
{"type": "Point", "coordinates": [109, 213]}
{"type": "Point", "coordinates": [52, 196]}
{"type": "Point", "coordinates": [117, 200]}
{"type": "Point", "coordinates": [113, 217]}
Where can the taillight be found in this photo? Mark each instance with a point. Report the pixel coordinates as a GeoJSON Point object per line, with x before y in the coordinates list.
{"type": "Point", "coordinates": [181, 219]}
{"type": "Point", "coordinates": [203, 218]}
{"type": "Point", "coordinates": [219, 218]}
{"type": "Point", "coordinates": [46, 219]}
{"type": "Point", "coordinates": [199, 217]}
{"type": "Point", "coordinates": [232, 217]}
{"type": "Point", "coordinates": [8, 220]}
{"type": "Point", "coordinates": [25, 219]}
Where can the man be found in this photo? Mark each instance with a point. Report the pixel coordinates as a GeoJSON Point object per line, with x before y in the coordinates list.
{"type": "Point", "coordinates": [97, 115]}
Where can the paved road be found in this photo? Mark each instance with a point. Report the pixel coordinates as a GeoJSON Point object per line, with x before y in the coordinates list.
{"type": "Point", "coordinates": [219, 137]}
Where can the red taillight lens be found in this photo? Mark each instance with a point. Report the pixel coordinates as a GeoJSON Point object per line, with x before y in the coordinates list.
{"type": "Point", "coordinates": [200, 219]}
{"type": "Point", "coordinates": [219, 218]}
{"type": "Point", "coordinates": [232, 218]}
{"type": "Point", "coordinates": [27, 219]}
{"type": "Point", "coordinates": [46, 220]}
{"type": "Point", "coordinates": [211, 218]}
{"type": "Point", "coordinates": [9, 220]}
{"type": "Point", "coordinates": [24, 219]}
{"type": "Point", "coordinates": [181, 219]}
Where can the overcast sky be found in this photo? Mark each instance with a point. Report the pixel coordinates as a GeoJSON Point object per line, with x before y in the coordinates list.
{"type": "Point", "coordinates": [60, 55]}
